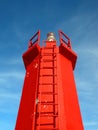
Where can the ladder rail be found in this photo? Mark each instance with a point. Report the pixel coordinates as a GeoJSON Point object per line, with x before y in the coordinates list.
{"type": "Point", "coordinates": [35, 107]}
{"type": "Point", "coordinates": [36, 101]}
{"type": "Point", "coordinates": [53, 103]}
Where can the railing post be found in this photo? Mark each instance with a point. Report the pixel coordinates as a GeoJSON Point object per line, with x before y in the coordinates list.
{"type": "Point", "coordinates": [34, 39]}
{"type": "Point", "coordinates": [61, 35]}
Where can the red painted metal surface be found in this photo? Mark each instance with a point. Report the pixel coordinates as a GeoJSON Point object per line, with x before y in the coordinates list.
{"type": "Point", "coordinates": [49, 98]}
{"type": "Point", "coordinates": [26, 109]}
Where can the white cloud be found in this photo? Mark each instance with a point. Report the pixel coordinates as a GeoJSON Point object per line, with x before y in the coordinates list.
{"type": "Point", "coordinates": [9, 102]}
{"type": "Point", "coordinates": [8, 96]}
{"type": "Point", "coordinates": [11, 61]}
{"type": "Point", "coordinates": [80, 27]}
{"type": "Point", "coordinates": [91, 123]}
{"type": "Point", "coordinates": [15, 74]}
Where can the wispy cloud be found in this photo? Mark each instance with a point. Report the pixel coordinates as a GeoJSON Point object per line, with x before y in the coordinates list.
{"type": "Point", "coordinates": [14, 74]}
{"type": "Point", "coordinates": [91, 123]}
{"type": "Point", "coordinates": [80, 27]}
{"type": "Point", "coordinates": [80, 22]}
{"type": "Point", "coordinates": [11, 61]}
{"type": "Point", "coordinates": [82, 31]}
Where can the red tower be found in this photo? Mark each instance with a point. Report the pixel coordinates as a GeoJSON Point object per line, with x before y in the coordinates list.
{"type": "Point", "coordinates": [49, 98]}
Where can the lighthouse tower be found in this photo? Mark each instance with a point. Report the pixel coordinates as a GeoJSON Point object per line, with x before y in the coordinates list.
{"type": "Point", "coordinates": [49, 98]}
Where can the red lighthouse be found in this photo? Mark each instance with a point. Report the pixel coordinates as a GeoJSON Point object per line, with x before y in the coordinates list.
{"type": "Point", "coordinates": [49, 98]}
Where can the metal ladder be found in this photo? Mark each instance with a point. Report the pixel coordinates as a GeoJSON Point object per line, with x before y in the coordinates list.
{"type": "Point", "coordinates": [46, 117]}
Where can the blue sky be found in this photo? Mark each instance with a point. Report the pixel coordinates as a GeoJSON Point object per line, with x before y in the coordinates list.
{"type": "Point", "coordinates": [19, 20]}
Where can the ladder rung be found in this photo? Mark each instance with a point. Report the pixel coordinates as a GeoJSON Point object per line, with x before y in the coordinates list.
{"type": "Point", "coordinates": [47, 103]}
{"type": "Point", "coordinates": [48, 75]}
{"type": "Point", "coordinates": [47, 83]}
{"type": "Point", "coordinates": [48, 48]}
{"type": "Point", "coordinates": [48, 54]}
{"type": "Point", "coordinates": [45, 124]}
{"type": "Point", "coordinates": [49, 128]}
{"type": "Point", "coordinates": [49, 93]}
{"type": "Point", "coordinates": [46, 60]}
{"type": "Point", "coordinates": [49, 112]}
{"type": "Point", "coordinates": [48, 67]}
{"type": "Point", "coordinates": [47, 115]}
